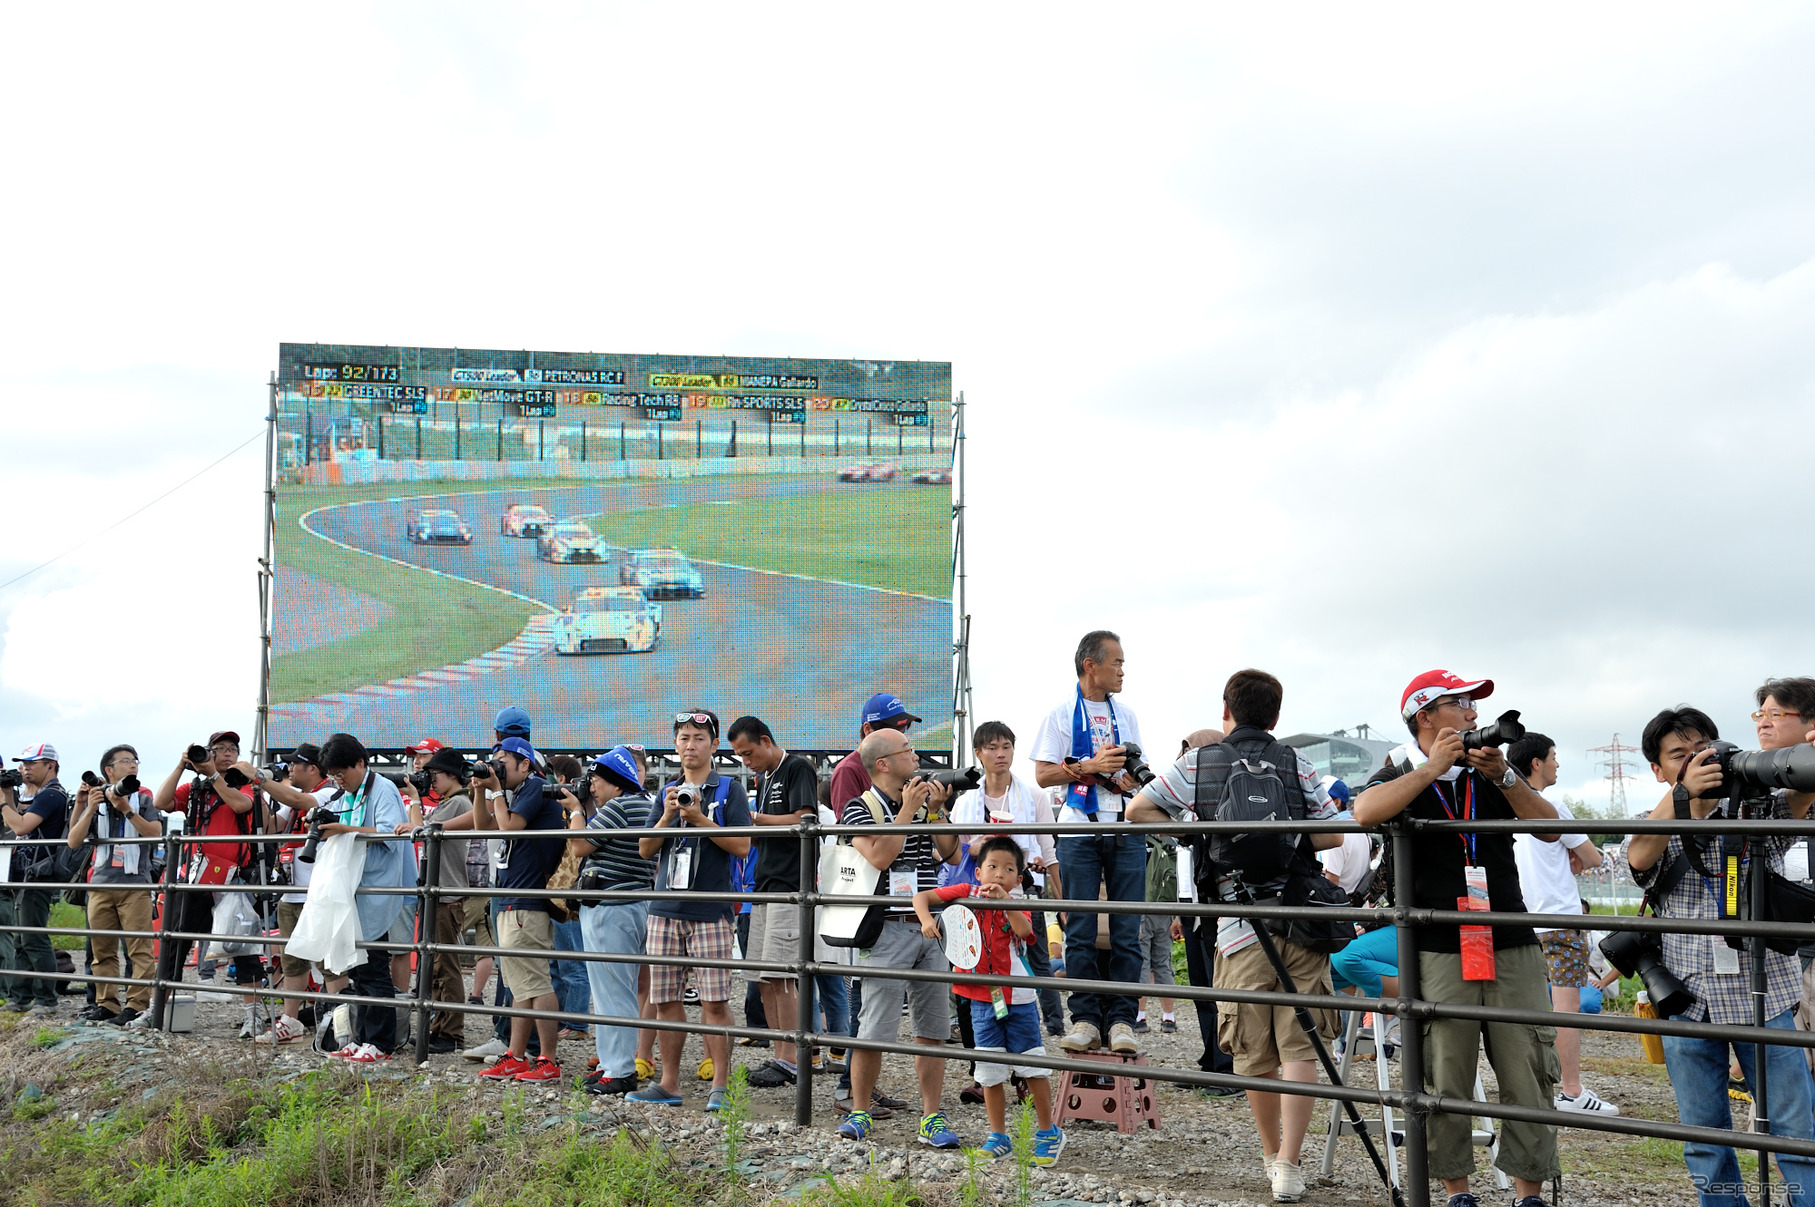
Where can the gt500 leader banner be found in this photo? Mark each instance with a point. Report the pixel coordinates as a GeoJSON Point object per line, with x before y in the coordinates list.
{"type": "Point", "coordinates": [604, 540]}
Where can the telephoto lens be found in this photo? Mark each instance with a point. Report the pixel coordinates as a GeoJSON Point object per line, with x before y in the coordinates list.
{"type": "Point", "coordinates": [127, 786]}
{"type": "Point", "coordinates": [1135, 765]}
{"type": "Point", "coordinates": [196, 753]}
{"type": "Point", "coordinates": [91, 779]}
{"type": "Point", "coordinates": [1505, 729]}
{"type": "Point", "coordinates": [1641, 954]}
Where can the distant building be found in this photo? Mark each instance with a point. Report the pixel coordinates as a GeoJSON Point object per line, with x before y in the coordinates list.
{"type": "Point", "coordinates": [1351, 758]}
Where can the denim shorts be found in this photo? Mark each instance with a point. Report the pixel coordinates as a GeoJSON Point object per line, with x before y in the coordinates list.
{"type": "Point", "coordinates": [1019, 1032]}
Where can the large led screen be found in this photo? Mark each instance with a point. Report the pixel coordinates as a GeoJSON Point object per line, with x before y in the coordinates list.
{"type": "Point", "coordinates": [605, 539]}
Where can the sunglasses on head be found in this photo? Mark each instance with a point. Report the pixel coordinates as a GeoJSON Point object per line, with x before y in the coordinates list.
{"type": "Point", "coordinates": [703, 719]}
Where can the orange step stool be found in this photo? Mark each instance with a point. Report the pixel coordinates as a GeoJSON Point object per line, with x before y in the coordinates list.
{"type": "Point", "coordinates": [1120, 1097]}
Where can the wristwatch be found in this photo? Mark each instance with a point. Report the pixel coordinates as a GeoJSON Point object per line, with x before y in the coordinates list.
{"type": "Point", "coordinates": [1509, 779]}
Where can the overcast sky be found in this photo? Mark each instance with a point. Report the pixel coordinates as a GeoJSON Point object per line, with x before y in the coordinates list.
{"type": "Point", "coordinates": [1342, 342]}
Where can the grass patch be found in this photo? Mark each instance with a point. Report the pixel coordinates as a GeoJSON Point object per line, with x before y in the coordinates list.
{"type": "Point", "coordinates": [435, 621]}
{"type": "Point", "coordinates": [62, 913]}
{"type": "Point", "coordinates": [898, 538]}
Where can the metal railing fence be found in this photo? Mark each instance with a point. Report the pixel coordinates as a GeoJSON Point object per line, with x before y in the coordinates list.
{"type": "Point", "coordinates": [1414, 1104]}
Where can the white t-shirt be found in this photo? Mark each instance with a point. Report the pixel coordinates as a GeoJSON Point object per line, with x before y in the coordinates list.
{"type": "Point", "coordinates": [300, 871]}
{"type": "Point", "coordinates": [1549, 887]}
{"type": "Point", "coordinates": [1052, 744]}
{"type": "Point", "coordinates": [1024, 804]}
{"type": "Point", "coordinates": [1352, 862]}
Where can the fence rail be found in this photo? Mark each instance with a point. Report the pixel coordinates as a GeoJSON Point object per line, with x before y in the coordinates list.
{"type": "Point", "coordinates": [1410, 1100]}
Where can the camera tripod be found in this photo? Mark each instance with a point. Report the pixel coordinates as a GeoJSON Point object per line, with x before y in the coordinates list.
{"type": "Point", "coordinates": [1270, 949]}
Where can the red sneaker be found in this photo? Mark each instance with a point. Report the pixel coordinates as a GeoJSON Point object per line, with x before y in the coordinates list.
{"type": "Point", "coordinates": [508, 1066]}
{"type": "Point", "coordinates": [543, 1070]}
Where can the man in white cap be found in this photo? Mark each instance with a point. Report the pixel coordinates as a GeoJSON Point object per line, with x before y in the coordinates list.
{"type": "Point", "coordinates": [1434, 776]}
{"type": "Point", "coordinates": [39, 809]}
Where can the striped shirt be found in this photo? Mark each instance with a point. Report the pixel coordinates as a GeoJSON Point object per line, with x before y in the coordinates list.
{"type": "Point", "coordinates": [624, 869]}
{"type": "Point", "coordinates": [915, 870]}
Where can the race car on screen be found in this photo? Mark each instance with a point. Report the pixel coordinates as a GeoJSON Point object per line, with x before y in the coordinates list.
{"type": "Point", "coordinates": [608, 620]}
{"type": "Point", "coordinates": [524, 519]}
{"type": "Point", "coordinates": [436, 527]}
{"type": "Point", "coordinates": [869, 471]}
{"type": "Point", "coordinates": [662, 574]}
{"type": "Point", "coordinates": [932, 477]}
{"type": "Point", "coordinates": [572, 544]}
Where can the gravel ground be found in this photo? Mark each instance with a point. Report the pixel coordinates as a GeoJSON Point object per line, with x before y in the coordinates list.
{"type": "Point", "coordinates": [1205, 1151]}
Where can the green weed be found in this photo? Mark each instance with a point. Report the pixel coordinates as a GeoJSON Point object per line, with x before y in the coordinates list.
{"type": "Point", "coordinates": [872, 1190]}
{"type": "Point", "coordinates": [1021, 1132]}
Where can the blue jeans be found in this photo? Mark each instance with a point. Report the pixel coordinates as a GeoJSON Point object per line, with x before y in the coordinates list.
{"type": "Point", "coordinates": [614, 930]}
{"type": "Point", "coordinates": [1698, 1075]}
{"type": "Point", "coordinates": [831, 997]}
{"type": "Point", "coordinates": [1365, 960]}
{"type": "Point", "coordinates": [571, 987]}
{"type": "Point", "coordinates": [1118, 862]}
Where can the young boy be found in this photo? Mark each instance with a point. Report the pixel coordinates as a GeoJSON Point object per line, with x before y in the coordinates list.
{"type": "Point", "coordinates": [1004, 1020]}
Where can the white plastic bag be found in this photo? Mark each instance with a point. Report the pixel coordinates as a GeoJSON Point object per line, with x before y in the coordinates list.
{"type": "Point", "coordinates": [234, 919]}
{"type": "Point", "coordinates": [327, 930]}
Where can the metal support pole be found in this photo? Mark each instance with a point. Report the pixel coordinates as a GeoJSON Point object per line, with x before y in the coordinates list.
{"type": "Point", "coordinates": [771, 434]}
{"type": "Point", "coordinates": [308, 437]}
{"type": "Point", "coordinates": [1761, 1091]}
{"type": "Point", "coordinates": [456, 432]}
{"type": "Point", "coordinates": [869, 430]}
{"type": "Point", "coordinates": [541, 439]}
{"type": "Point", "coordinates": [500, 437]}
{"type": "Point", "coordinates": [803, 438]}
{"type": "Point", "coordinates": [1411, 1041]}
{"type": "Point", "coordinates": [660, 452]}
{"type": "Point", "coordinates": [622, 455]}
{"type": "Point", "coordinates": [731, 448]}
{"type": "Point", "coordinates": [380, 419]}
{"type": "Point", "coordinates": [699, 439]}
{"type": "Point", "coordinates": [582, 440]}
{"type": "Point", "coordinates": [835, 436]}
{"type": "Point", "coordinates": [426, 910]}
{"type": "Point", "coordinates": [803, 987]}
{"type": "Point", "coordinates": [166, 961]}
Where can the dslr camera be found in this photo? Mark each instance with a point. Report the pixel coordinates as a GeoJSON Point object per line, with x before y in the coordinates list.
{"type": "Point", "coordinates": [11, 778]}
{"type": "Point", "coordinates": [127, 786]}
{"type": "Point", "coordinates": [1506, 728]}
{"type": "Point", "coordinates": [1641, 954]}
{"type": "Point", "coordinates": [1751, 773]}
{"type": "Point", "coordinates": [419, 780]}
{"type": "Point", "coordinates": [957, 781]}
{"type": "Point", "coordinates": [1133, 763]}
{"type": "Point", "coordinates": [318, 817]}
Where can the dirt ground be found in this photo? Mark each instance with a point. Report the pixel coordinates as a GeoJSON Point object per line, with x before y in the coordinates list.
{"type": "Point", "coordinates": [1205, 1151]}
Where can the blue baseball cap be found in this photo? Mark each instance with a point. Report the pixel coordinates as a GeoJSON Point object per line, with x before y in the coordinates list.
{"type": "Point", "coordinates": [620, 767]}
{"type": "Point", "coordinates": [885, 706]}
{"type": "Point", "coordinates": [512, 722]}
{"type": "Point", "coordinates": [1338, 791]}
{"type": "Point", "coordinates": [517, 746]}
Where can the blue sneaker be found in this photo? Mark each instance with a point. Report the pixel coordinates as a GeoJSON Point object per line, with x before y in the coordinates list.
{"type": "Point", "coordinates": [1049, 1142]}
{"type": "Point", "coordinates": [856, 1126]}
{"type": "Point", "coordinates": [997, 1146]}
{"type": "Point", "coordinates": [653, 1095]}
{"type": "Point", "coordinates": [934, 1130]}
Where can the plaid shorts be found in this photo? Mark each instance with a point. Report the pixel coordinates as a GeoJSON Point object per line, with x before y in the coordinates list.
{"type": "Point", "coordinates": [708, 941]}
{"type": "Point", "coordinates": [1566, 957]}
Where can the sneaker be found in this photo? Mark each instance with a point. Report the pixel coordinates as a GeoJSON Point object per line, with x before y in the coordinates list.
{"type": "Point", "coordinates": [936, 1132]}
{"type": "Point", "coordinates": [100, 1012]}
{"type": "Point", "coordinates": [506, 1068]}
{"type": "Point", "coordinates": [995, 1146]}
{"type": "Point", "coordinates": [364, 1054]}
{"type": "Point", "coordinates": [1140, 1025]}
{"type": "Point", "coordinates": [1121, 1039]}
{"type": "Point", "coordinates": [283, 1030]}
{"type": "Point", "coordinates": [1288, 1180]}
{"type": "Point", "coordinates": [769, 1075]}
{"type": "Point", "coordinates": [718, 1101]}
{"type": "Point", "coordinates": [1465, 1199]}
{"type": "Point", "coordinates": [488, 1051]}
{"type": "Point", "coordinates": [441, 1045]}
{"type": "Point", "coordinates": [704, 1072]}
{"type": "Point", "coordinates": [1588, 1102]}
{"type": "Point", "coordinates": [125, 1018]}
{"type": "Point", "coordinates": [1169, 1026]}
{"type": "Point", "coordinates": [41, 1011]}
{"type": "Point", "coordinates": [139, 1021]}
{"type": "Point", "coordinates": [856, 1126]}
{"type": "Point", "coordinates": [646, 1070]}
{"type": "Point", "coordinates": [611, 1085]}
{"type": "Point", "coordinates": [543, 1070]}
{"type": "Point", "coordinates": [1083, 1037]}
{"type": "Point", "coordinates": [248, 1026]}
{"type": "Point", "coordinates": [1531, 1200]}
{"type": "Point", "coordinates": [1048, 1144]}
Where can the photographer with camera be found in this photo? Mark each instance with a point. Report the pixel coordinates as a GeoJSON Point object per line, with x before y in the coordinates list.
{"type": "Point", "coordinates": [295, 789]}
{"type": "Point", "coordinates": [33, 806]}
{"type": "Point", "coordinates": [119, 893]}
{"type": "Point", "coordinates": [1707, 978]}
{"type": "Point", "coordinates": [699, 800]}
{"type": "Point", "coordinates": [366, 803]}
{"type": "Point", "coordinates": [1264, 1041]}
{"type": "Point", "coordinates": [1451, 770]}
{"type": "Point", "coordinates": [909, 864]}
{"type": "Point", "coordinates": [217, 802]}
{"type": "Point", "coordinates": [613, 786]}
{"type": "Point", "coordinates": [523, 923]}
{"type": "Point", "coordinates": [1085, 745]}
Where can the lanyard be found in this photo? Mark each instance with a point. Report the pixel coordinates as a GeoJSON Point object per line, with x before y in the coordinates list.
{"type": "Point", "coordinates": [1470, 840]}
{"type": "Point", "coordinates": [1732, 865]}
{"type": "Point", "coordinates": [1085, 792]}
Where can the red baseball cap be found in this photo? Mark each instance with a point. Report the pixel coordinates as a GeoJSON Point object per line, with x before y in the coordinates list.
{"type": "Point", "coordinates": [427, 746]}
{"type": "Point", "coordinates": [1432, 686]}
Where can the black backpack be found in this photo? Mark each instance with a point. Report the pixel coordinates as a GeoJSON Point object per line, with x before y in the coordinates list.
{"type": "Point", "coordinates": [1249, 780]}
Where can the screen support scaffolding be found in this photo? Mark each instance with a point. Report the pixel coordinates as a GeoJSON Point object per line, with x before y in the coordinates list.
{"type": "Point", "coordinates": [267, 582]}
{"type": "Point", "coordinates": [961, 648]}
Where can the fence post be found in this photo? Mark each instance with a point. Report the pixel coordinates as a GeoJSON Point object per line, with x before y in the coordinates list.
{"type": "Point", "coordinates": [1411, 1040]}
{"type": "Point", "coordinates": [429, 903]}
{"type": "Point", "coordinates": [173, 866]}
{"type": "Point", "coordinates": [803, 986]}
